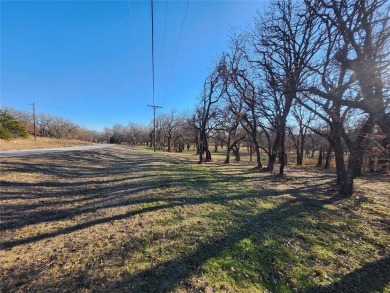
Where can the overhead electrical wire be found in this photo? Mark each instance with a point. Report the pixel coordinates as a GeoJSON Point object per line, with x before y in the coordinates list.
{"type": "Point", "coordinates": [165, 29]}
{"type": "Point", "coordinates": [134, 34]}
{"type": "Point", "coordinates": [132, 22]}
{"type": "Point", "coordinates": [163, 45]}
{"type": "Point", "coordinates": [177, 48]}
{"type": "Point", "coordinates": [153, 106]}
{"type": "Point", "coordinates": [151, 3]}
{"type": "Point", "coordinates": [163, 50]}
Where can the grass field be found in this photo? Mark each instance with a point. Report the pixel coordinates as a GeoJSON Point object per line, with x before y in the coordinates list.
{"type": "Point", "coordinates": [128, 220]}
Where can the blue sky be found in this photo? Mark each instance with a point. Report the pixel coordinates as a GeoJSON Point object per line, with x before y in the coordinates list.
{"type": "Point", "coordinates": [90, 61]}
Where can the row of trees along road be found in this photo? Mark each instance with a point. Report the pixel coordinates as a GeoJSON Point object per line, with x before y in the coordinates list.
{"type": "Point", "coordinates": [308, 75]}
{"type": "Point", "coordinates": [52, 126]}
{"type": "Point", "coordinates": [321, 66]}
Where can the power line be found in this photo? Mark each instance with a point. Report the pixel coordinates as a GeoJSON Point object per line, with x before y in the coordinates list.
{"type": "Point", "coordinates": [135, 39]}
{"type": "Point", "coordinates": [151, 3]}
{"type": "Point", "coordinates": [165, 29]}
{"type": "Point", "coordinates": [153, 106]}
{"type": "Point", "coordinates": [163, 47]}
{"type": "Point", "coordinates": [177, 48]}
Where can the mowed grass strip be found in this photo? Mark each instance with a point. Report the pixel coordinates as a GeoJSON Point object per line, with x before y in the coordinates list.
{"type": "Point", "coordinates": [38, 143]}
{"type": "Point", "coordinates": [128, 220]}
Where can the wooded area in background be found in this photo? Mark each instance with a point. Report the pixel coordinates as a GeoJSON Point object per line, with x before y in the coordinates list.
{"type": "Point", "coordinates": [312, 77]}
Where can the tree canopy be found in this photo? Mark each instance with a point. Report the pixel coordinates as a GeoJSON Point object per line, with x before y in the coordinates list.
{"type": "Point", "coordinates": [10, 127]}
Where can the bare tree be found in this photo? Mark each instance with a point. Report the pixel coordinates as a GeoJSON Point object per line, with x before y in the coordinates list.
{"type": "Point", "coordinates": [213, 90]}
{"type": "Point", "coordinates": [243, 92]}
{"type": "Point", "coordinates": [230, 126]}
{"type": "Point", "coordinates": [303, 118]}
{"type": "Point", "coordinates": [285, 43]}
{"type": "Point", "coordinates": [358, 47]}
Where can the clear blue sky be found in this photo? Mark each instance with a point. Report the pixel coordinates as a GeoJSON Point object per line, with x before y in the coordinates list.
{"type": "Point", "coordinates": [90, 61]}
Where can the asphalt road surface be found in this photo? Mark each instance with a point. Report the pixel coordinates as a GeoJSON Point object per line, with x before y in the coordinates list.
{"type": "Point", "coordinates": [8, 154]}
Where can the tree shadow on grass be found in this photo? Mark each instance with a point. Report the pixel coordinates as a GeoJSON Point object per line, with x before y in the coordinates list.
{"type": "Point", "coordinates": [263, 226]}
{"type": "Point", "coordinates": [24, 218]}
{"type": "Point", "coordinates": [92, 195]}
{"type": "Point", "coordinates": [167, 276]}
{"type": "Point", "coordinates": [371, 277]}
{"type": "Point", "coordinates": [170, 274]}
{"type": "Point", "coordinates": [83, 164]}
{"type": "Point", "coordinates": [160, 203]}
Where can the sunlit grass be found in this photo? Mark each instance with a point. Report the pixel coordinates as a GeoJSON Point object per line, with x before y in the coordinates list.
{"type": "Point", "coordinates": [128, 219]}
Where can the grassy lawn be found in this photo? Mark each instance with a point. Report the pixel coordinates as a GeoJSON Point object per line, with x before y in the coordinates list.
{"type": "Point", "coordinates": [128, 220]}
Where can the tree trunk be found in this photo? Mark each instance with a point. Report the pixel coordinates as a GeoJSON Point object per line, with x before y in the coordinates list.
{"type": "Point", "coordinates": [200, 156]}
{"type": "Point", "coordinates": [236, 152]}
{"type": "Point", "coordinates": [320, 159]}
{"type": "Point", "coordinates": [299, 158]}
{"type": "Point", "coordinates": [271, 162]}
{"type": "Point", "coordinates": [340, 164]}
{"type": "Point", "coordinates": [228, 149]}
{"type": "Point", "coordinates": [208, 156]}
{"type": "Point", "coordinates": [371, 164]}
{"type": "Point", "coordinates": [257, 150]}
{"type": "Point", "coordinates": [347, 184]}
{"type": "Point", "coordinates": [227, 160]}
{"type": "Point", "coordinates": [274, 154]}
{"type": "Point", "coordinates": [283, 154]}
{"type": "Point", "coordinates": [328, 158]}
{"type": "Point", "coordinates": [356, 155]}
{"type": "Point", "coordinates": [201, 149]}
{"type": "Point", "coordinates": [169, 143]}
{"type": "Point", "coordinates": [300, 151]}
{"type": "Point", "coordinates": [353, 165]}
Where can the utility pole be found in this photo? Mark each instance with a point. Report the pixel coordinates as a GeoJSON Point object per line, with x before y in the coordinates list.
{"type": "Point", "coordinates": [154, 123]}
{"type": "Point", "coordinates": [35, 133]}
{"type": "Point", "coordinates": [153, 106]}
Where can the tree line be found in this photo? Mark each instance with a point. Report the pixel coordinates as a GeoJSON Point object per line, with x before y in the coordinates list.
{"type": "Point", "coordinates": [307, 76]}
{"type": "Point", "coordinates": [319, 67]}
{"type": "Point", "coordinates": [60, 128]}
{"type": "Point", "coordinates": [51, 126]}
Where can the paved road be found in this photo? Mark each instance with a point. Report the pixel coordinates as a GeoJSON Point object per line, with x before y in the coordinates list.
{"type": "Point", "coordinates": [8, 154]}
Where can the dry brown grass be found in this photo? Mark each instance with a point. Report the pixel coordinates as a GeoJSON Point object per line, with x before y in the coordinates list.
{"type": "Point", "coordinates": [127, 220]}
{"type": "Point", "coordinates": [40, 143]}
